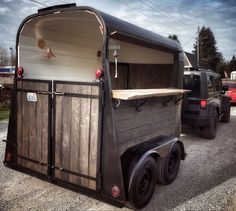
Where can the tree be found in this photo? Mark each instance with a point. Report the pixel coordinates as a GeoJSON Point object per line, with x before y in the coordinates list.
{"type": "Point", "coordinates": [208, 51]}
{"type": "Point", "coordinates": [174, 37]}
{"type": "Point", "coordinates": [232, 64]}
{"type": "Point", "coordinates": [222, 67]}
{"type": "Point", "coordinates": [3, 57]}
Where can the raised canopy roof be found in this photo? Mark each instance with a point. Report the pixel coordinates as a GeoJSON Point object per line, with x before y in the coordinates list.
{"type": "Point", "coordinates": [119, 29]}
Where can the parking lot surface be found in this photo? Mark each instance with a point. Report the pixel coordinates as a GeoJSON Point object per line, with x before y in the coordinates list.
{"type": "Point", "coordinates": [206, 180]}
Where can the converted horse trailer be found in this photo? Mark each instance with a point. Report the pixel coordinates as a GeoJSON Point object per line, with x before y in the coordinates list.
{"type": "Point", "coordinates": [96, 105]}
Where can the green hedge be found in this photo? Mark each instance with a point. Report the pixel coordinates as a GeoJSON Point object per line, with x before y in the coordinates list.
{"type": "Point", "coordinates": [4, 115]}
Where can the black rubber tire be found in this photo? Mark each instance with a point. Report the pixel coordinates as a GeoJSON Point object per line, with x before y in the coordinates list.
{"type": "Point", "coordinates": [168, 167]}
{"type": "Point", "coordinates": [226, 115]}
{"type": "Point", "coordinates": [211, 130]}
{"type": "Point", "coordinates": [143, 183]}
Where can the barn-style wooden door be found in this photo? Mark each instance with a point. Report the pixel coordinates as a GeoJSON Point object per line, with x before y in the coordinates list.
{"type": "Point", "coordinates": [76, 137]}
{"type": "Point", "coordinates": [33, 125]}
{"type": "Point", "coordinates": [58, 130]}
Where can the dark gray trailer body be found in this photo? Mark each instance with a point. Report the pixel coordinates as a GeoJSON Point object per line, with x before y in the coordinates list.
{"type": "Point", "coordinates": [67, 127]}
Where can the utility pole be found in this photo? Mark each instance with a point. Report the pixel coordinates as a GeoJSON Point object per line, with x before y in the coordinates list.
{"type": "Point", "coordinates": [198, 46]}
{"type": "Point", "coordinates": [11, 56]}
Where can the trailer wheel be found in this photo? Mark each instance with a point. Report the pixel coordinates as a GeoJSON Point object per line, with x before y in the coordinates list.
{"type": "Point", "coordinates": [143, 183]}
{"type": "Point", "coordinates": [210, 130]}
{"type": "Point", "coordinates": [226, 115]}
{"type": "Point", "coordinates": [168, 167]}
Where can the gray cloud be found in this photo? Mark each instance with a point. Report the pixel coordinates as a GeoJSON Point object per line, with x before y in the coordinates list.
{"type": "Point", "coordinates": [164, 16]}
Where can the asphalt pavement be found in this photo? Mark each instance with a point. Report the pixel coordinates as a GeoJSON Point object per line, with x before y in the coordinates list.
{"type": "Point", "coordinates": [206, 180]}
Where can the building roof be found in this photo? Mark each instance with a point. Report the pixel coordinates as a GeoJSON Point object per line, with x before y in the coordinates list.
{"type": "Point", "coordinates": [190, 61]}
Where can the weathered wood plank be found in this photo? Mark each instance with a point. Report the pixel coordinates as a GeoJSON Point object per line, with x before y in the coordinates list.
{"type": "Point", "coordinates": [94, 139]}
{"type": "Point", "coordinates": [84, 135]}
{"type": "Point", "coordinates": [66, 135]}
{"type": "Point", "coordinates": [80, 119]}
{"type": "Point", "coordinates": [75, 136]}
{"type": "Point", "coordinates": [143, 130]}
{"type": "Point", "coordinates": [25, 129]}
{"type": "Point", "coordinates": [19, 123]}
{"type": "Point", "coordinates": [39, 135]}
{"type": "Point", "coordinates": [136, 127]}
{"type": "Point", "coordinates": [121, 82]}
{"type": "Point", "coordinates": [131, 94]}
{"type": "Point", "coordinates": [143, 76]}
{"type": "Point", "coordinates": [58, 134]}
{"type": "Point", "coordinates": [127, 110]}
{"type": "Point", "coordinates": [164, 131]}
{"type": "Point", "coordinates": [30, 134]}
{"type": "Point", "coordinates": [141, 120]}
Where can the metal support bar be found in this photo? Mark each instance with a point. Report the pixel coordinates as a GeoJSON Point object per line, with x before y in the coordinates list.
{"type": "Point", "coordinates": [139, 104]}
{"type": "Point", "coordinates": [166, 103]}
{"type": "Point", "coordinates": [75, 173]}
{"type": "Point", "coordinates": [178, 99]}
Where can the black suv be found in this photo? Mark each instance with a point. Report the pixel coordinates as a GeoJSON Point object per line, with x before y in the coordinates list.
{"type": "Point", "coordinates": [206, 103]}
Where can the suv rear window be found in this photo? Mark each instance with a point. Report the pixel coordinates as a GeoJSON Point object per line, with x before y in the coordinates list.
{"type": "Point", "coordinates": [192, 82]}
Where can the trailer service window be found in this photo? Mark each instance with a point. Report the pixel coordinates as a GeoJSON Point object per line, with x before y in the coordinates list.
{"type": "Point", "coordinates": [73, 39]}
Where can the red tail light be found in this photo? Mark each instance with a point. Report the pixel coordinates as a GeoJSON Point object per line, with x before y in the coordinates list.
{"type": "Point", "coordinates": [99, 73]}
{"type": "Point", "coordinates": [8, 157]}
{"type": "Point", "coordinates": [20, 72]}
{"type": "Point", "coordinates": [203, 103]}
{"type": "Point", "coordinates": [115, 191]}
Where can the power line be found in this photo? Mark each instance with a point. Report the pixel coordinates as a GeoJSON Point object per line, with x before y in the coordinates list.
{"type": "Point", "coordinates": [139, 11]}
{"type": "Point", "coordinates": [38, 3]}
{"type": "Point", "coordinates": [190, 39]}
{"type": "Point", "coordinates": [154, 6]}
{"type": "Point", "coordinates": [143, 14]}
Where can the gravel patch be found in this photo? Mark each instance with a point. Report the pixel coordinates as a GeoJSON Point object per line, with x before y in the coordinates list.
{"type": "Point", "coordinates": [206, 180]}
{"type": "Point", "coordinates": [219, 198]}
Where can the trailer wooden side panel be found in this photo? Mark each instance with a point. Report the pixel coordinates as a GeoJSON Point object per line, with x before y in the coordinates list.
{"type": "Point", "coordinates": [32, 126]}
{"type": "Point", "coordinates": [154, 119]}
{"type": "Point", "coordinates": [76, 134]}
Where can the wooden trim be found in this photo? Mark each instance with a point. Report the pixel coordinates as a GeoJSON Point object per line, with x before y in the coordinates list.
{"type": "Point", "coordinates": [132, 94]}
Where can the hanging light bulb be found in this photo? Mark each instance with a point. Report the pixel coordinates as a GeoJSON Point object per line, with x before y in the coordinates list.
{"type": "Point", "coordinates": [115, 54]}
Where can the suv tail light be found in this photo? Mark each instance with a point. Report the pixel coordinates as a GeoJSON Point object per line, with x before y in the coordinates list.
{"type": "Point", "coordinates": [203, 103]}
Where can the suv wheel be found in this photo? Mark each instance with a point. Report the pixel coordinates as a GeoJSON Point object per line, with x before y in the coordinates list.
{"type": "Point", "coordinates": [210, 130]}
{"type": "Point", "coordinates": [226, 115]}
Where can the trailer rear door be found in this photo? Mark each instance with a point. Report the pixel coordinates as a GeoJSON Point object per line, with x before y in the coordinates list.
{"type": "Point", "coordinates": [76, 118]}
{"type": "Point", "coordinates": [33, 125]}
{"type": "Point", "coordinates": [58, 130]}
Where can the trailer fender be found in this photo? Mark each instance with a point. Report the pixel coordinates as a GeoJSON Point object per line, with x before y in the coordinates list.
{"type": "Point", "coordinates": [133, 163]}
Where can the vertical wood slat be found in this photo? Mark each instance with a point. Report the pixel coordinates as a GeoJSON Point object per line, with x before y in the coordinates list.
{"type": "Point", "coordinates": [66, 126]}
{"type": "Point", "coordinates": [75, 135]}
{"type": "Point", "coordinates": [58, 134]}
{"type": "Point", "coordinates": [82, 116]}
{"type": "Point", "coordinates": [32, 126]}
{"type": "Point", "coordinates": [94, 120]}
{"type": "Point", "coordinates": [19, 122]}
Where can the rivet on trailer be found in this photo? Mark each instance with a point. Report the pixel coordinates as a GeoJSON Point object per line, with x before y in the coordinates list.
{"type": "Point", "coordinates": [96, 105]}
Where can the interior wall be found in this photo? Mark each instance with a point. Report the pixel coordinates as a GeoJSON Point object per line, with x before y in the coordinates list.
{"type": "Point", "coordinates": [142, 76]}
{"type": "Point", "coordinates": [74, 38]}
{"type": "Point", "coordinates": [130, 53]}
{"type": "Point", "coordinates": [140, 67]}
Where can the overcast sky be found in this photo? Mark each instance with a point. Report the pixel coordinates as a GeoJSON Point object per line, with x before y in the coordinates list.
{"type": "Point", "coordinates": [180, 17]}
